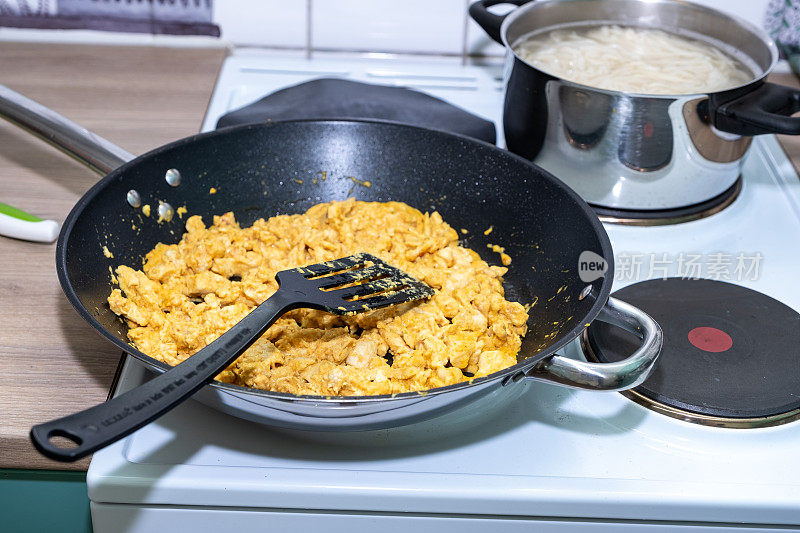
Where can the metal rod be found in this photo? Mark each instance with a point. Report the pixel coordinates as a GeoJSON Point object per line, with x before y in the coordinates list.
{"type": "Point", "coordinates": [95, 152]}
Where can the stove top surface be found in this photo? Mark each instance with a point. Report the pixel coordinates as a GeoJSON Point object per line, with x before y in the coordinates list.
{"type": "Point", "coordinates": [532, 449]}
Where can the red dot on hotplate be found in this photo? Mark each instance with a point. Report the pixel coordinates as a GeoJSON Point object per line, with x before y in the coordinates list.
{"type": "Point", "coordinates": [710, 339]}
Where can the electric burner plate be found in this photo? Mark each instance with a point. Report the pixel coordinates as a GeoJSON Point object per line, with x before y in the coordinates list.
{"type": "Point", "coordinates": [730, 353]}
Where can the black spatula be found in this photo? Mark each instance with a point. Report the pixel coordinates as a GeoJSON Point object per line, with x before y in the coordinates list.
{"type": "Point", "coordinates": [345, 286]}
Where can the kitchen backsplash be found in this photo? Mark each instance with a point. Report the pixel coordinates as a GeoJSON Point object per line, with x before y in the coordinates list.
{"type": "Point", "coordinates": [437, 27]}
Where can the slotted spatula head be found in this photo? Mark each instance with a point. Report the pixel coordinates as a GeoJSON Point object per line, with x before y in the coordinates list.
{"type": "Point", "coordinates": [353, 284]}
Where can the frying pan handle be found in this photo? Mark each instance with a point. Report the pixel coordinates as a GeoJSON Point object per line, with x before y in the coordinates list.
{"type": "Point", "coordinates": [97, 153]}
{"type": "Point", "coordinates": [489, 21]}
{"type": "Point", "coordinates": [621, 375]}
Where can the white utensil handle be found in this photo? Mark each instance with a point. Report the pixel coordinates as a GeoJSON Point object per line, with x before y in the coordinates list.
{"type": "Point", "coordinates": [41, 231]}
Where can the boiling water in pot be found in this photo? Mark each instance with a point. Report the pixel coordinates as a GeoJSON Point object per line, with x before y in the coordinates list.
{"type": "Point", "coordinates": [634, 60]}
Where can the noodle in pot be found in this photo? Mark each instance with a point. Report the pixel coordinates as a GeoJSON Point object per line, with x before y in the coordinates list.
{"type": "Point", "coordinates": [636, 60]}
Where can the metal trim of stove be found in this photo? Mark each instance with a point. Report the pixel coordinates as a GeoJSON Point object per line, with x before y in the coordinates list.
{"type": "Point", "coordinates": [672, 216]}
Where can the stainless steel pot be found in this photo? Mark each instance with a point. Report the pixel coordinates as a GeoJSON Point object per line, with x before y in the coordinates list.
{"type": "Point", "coordinates": [633, 151]}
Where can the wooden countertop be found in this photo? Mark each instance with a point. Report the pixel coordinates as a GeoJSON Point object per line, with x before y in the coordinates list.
{"type": "Point", "coordinates": [51, 362]}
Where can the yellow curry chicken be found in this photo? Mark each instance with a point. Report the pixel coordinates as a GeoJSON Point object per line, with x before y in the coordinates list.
{"type": "Point", "coordinates": [188, 294]}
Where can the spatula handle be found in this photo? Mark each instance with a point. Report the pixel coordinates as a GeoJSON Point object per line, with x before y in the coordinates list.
{"type": "Point", "coordinates": [108, 422]}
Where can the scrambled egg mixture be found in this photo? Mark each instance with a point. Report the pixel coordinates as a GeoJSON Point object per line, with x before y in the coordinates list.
{"type": "Point", "coordinates": [188, 294]}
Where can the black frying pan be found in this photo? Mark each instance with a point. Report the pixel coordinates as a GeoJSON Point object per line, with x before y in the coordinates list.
{"type": "Point", "coordinates": [260, 171]}
{"type": "Point", "coordinates": [263, 170]}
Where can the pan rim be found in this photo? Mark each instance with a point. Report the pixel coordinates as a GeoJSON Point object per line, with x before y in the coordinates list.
{"type": "Point", "coordinates": [237, 390]}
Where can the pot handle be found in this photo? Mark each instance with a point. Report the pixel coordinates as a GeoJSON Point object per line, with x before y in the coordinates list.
{"type": "Point", "coordinates": [768, 109]}
{"type": "Point", "coordinates": [621, 375]}
{"type": "Point", "coordinates": [95, 152]}
{"type": "Point", "coordinates": [489, 21]}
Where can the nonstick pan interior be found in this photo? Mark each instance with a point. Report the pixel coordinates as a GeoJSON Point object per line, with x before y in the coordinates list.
{"type": "Point", "coordinates": [258, 171]}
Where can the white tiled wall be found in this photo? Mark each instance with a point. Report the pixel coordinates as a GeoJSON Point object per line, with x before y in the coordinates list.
{"type": "Point", "coordinates": [439, 27]}
{"type": "Point", "coordinates": [752, 10]}
{"type": "Point", "coordinates": [416, 26]}
{"type": "Point", "coordinates": [271, 23]}
{"type": "Point", "coordinates": [395, 26]}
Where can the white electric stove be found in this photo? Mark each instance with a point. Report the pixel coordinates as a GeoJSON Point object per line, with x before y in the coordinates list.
{"type": "Point", "coordinates": [533, 455]}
